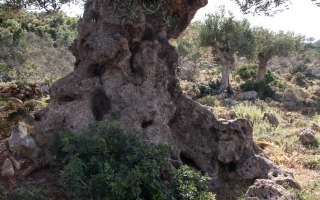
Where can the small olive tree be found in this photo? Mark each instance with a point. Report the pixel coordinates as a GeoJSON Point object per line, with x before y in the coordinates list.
{"type": "Point", "coordinates": [269, 44]}
{"type": "Point", "coordinates": [228, 38]}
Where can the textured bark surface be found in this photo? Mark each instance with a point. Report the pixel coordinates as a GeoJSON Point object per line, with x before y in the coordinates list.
{"type": "Point", "coordinates": [262, 69]}
{"type": "Point", "coordinates": [125, 73]}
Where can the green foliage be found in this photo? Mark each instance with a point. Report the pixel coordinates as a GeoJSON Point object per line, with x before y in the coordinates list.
{"type": "Point", "coordinates": [227, 33]}
{"type": "Point", "coordinates": [107, 163]}
{"type": "Point", "coordinates": [301, 68]}
{"type": "Point", "coordinates": [263, 89]}
{"type": "Point", "coordinates": [202, 89]}
{"type": "Point", "coordinates": [248, 72]}
{"type": "Point", "coordinates": [30, 104]}
{"type": "Point", "coordinates": [2, 191]}
{"type": "Point", "coordinates": [27, 191]}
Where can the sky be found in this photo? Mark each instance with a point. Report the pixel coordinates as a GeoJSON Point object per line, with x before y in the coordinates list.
{"type": "Point", "coordinates": [302, 17]}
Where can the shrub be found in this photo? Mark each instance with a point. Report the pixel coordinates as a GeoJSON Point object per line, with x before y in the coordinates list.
{"type": "Point", "coordinates": [263, 89]}
{"type": "Point", "coordinates": [207, 100]}
{"type": "Point", "coordinates": [27, 192]}
{"type": "Point", "coordinates": [248, 72]}
{"type": "Point", "coordinates": [107, 163]}
{"type": "Point", "coordinates": [30, 104]}
{"type": "Point", "coordinates": [202, 89]}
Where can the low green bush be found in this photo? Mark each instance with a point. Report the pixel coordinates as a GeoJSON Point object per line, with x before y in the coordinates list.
{"type": "Point", "coordinates": [203, 89]}
{"type": "Point", "coordinates": [248, 72]}
{"type": "Point", "coordinates": [27, 191]}
{"type": "Point", "coordinates": [263, 89]}
{"type": "Point", "coordinates": [107, 163]}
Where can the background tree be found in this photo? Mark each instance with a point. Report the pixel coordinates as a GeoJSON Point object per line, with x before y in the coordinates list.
{"type": "Point", "coordinates": [265, 6]}
{"type": "Point", "coordinates": [228, 37]}
{"type": "Point", "coordinates": [269, 44]}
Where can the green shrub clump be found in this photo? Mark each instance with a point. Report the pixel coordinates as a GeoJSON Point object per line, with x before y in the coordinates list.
{"type": "Point", "coordinates": [248, 73]}
{"type": "Point", "coordinates": [107, 163]}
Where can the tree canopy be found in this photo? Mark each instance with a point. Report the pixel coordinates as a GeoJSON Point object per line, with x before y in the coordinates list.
{"type": "Point", "coordinates": [269, 44]}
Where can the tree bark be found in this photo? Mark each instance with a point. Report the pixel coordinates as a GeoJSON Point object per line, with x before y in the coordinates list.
{"type": "Point", "coordinates": [227, 58]}
{"type": "Point", "coordinates": [125, 74]}
{"type": "Point", "coordinates": [262, 69]}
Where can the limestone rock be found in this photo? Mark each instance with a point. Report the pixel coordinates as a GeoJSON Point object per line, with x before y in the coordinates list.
{"type": "Point", "coordinates": [248, 95]}
{"type": "Point", "coordinates": [16, 100]}
{"type": "Point", "coordinates": [306, 136]}
{"type": "Point", "coordinates": [3, 147]}
{"type": "Point", "coordinates": [224, 116]}
{"type": "Point", "coordinates": [22, 143]}
{"type": "Point", "coordinates": [7, 168]}
{"type": "Point", "coordinates": [271, 118]}
{"type": "Point", "coordinates": [232, 114]}
{"type": "Point", "coordinates": [315, 127]}
{"type": "Point", "coordinates": [267, 189]}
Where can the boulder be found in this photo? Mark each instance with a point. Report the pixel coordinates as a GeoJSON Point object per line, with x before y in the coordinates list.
{"type": "Point", "coordinates": [306, 136]}
{"type": "Point", "coordinates": [250, 95]}
{"type": "Point", "coordinates": [3, 147]}
{"type": "Point", "coordinates": [16, 100]}
{"type": "Point", "coordinates": [224, 116]}
{"type": "Point", "coordinates": [7, 168]}
{"type": "Point", "coordinates": [5, 78]}
{"type": "Point", "coordinates": [20, 142]}
{"type": "Point", "coordinates": [232, 114]}
{"type": "Point", "coordinates": [315, 127]}
{"type": "Point", "coordinates": [271, 119]}
{"type": "Point", "coordinates": [267, 189]}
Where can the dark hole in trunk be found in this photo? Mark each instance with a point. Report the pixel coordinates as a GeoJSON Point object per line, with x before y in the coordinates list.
{"type": "Point", "coordinates": [145, 124]}
{"type": "Point", "coordinates": [96, 70]}
{"type": "Point", "coordinates": [100, 105]}
{"type": "Point", "coordinates": [67, 98]}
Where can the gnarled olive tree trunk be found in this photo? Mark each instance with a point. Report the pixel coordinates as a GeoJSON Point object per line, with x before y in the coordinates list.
{"type": "Point", "coordinates": [125, 73]}
{"type": "Point", "coordinates": [262, 69]}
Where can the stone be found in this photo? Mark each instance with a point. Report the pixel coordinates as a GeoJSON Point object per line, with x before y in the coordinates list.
{"type": "Point", "coordinates": [306, 136]}
{"type": "Point", "coordinates": [17, 164]}
{"type": "Point", "coordinates": [250, 95]}
{"type": "Point", "coordinates": [29, 118]}
{"type": "Point", "coordinates": [20, 96]}
{"type": "Point", "coordinates": [44, 89]}
{"type": "Point", "coordinates": [16, 100]}
{"type": "Point", "coordinates": [13, 86]}
{"type": "Point", "coordinates": [315, 127]}
{"type": "Point", "coordinates": [224, 116]}
{"type": "Point", "coordinates": [230, 102]}
{"type": "Point", "coordinates": [3, 147]}
{"type": "Point", "coordinates": [7, 168]}
{"type": "Point", "coordinates": [271, 119]}
{"type": "Point", "coordinates": [125, 74]}
{"type": "Point", "coordinates": [267, 189]}
{"type": "Point", "coordinates": [5, 78]}
{"type": "Point", "coordinates": [232, 114]}
{"type": "Point", "coordinates": [20, 142]}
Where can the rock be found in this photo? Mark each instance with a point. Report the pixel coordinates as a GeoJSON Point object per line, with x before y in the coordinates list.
{"type": "Point", "coordinates": [271, 118]}
{"type": "Point", "coordinates": [250, 95]}
{"type": "Point", "coordinates": [232, 114]}
{"type": "Point", "coordinates": [230, 102]}
{"type": "Point", "coordinates": [22, 143]}
{"type": "Point", "coordinates": [224, 116]}
{"type": "Point", "coordinates": [16, 100]}
{"type": "Point", "coordinates": [13, 86]}
{"type": "Point", "coordinates": [315, 127]}
{"type": "Point", "coordinates": [17, 164]}
{"type": "Point", "coordinates": [29, 118]}
{"type": "Point", "coordinates": [306, 136]}
{"type": "Point", "coordinates": [20, 96]}
{"type": "Point", "coordinates": [44, 89]}
{"type": "Point", "coordinates": [5, 78]}
{"type": "Point", "coordinates": [3, 147]}
{"type": "Point", "coordinates": [7, 168]}
{"type": "Point", "coordinates": [267, 189]}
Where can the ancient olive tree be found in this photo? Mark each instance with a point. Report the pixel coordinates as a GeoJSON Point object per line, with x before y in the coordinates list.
{"type": "Point", "coordinates": [228, 38]}
{"type": "Point", "coordinates": [269, 44]}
